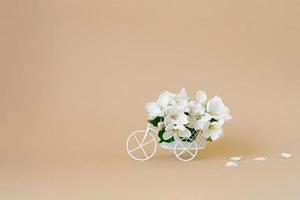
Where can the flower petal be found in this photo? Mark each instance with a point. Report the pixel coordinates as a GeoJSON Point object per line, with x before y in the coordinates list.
{"type": "Point", "coordinates": [185, 133]}
{"type": "Point", "coordinates": [285, 155]}
{"type": "Point", "coordinates": [215, 105]}
{"type": "Point", "coordinates": [235, 158]}
{"type": "Point", "coordinates": [181, 119]}
{"type": "Point", "coordinates": [260, 159]}
{"type": "Point", "coordinates": [201, 97]}
{"type": "Point", "coordinates": [231, 164]}
{"type": "Point", "coordinates": [201, 124]}
{"type": "Point", "coordinates": [216, 134]}
{"type": "Point", "coordinates": [164, 99]}
{"type": "Point", "coordinates": [153, 110]}
{"type": "Point", "coordinates": [169, 127]}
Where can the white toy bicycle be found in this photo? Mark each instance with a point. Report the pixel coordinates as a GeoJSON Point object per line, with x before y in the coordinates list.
{"type": "Point", "coordinates": [141, 145]}
{"type": "Point", "coordinates": [184, 125]}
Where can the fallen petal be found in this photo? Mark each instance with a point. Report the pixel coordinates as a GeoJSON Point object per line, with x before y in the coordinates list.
{"type": "Point", "coordinates": [260, 158]}
{"type": "Point", "coordinates": [235, 158]}
{"type": "Point", "coordinates": [285, 155]}
{"type": "Point", "coordinates": [231, 164]}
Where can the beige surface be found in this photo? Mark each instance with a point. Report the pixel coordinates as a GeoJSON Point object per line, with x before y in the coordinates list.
{"type": "Point", "coordinates": [75, 76]}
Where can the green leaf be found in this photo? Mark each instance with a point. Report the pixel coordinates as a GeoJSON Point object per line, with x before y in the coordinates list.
{"type": "Point", "coordinates": [161, 137]}
{"type": "Point", "coordinates": [155, 121]}
{"type": "Point", "coordinates": [213, 120]}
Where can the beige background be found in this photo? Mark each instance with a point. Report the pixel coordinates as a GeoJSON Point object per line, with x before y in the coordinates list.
{"type": "Point", "coordinates": [75, 76]}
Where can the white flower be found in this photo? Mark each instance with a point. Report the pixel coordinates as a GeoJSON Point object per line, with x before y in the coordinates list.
{"type": "Point", "coordinates": [200, 122]}
{"type": "Point", "coordinates": [175, 116]}
{"type": "Point", "coordinates": [196, 115]}
{"type": "Point", "coordinates": [181, 97]}
{"type": "Point", "coordinates": [154, 110]}
{"type": "Point", "coordinates": [177, 131]}
{"type": "Point", "coordinates": [201, 97]}
{"type": "Point", "coordinates": [216, 108]}
{"type": "Point", "coordinates": [213, 130]}
{"type": "Point", "coordinates": [175, 122]}
{"type": "Point", "coordinates": [158, 108]}
{"type": "Point", "coordinates": [195, 108]}
{"type": "Point", "coordinates": [180, 100]}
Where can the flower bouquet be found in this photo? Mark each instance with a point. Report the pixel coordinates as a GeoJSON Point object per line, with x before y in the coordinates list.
{"type": "Point", "coordinates": [178, 117]}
